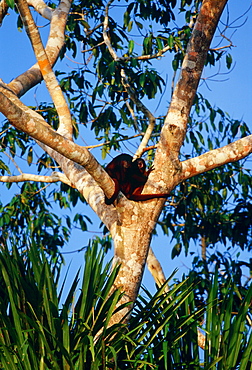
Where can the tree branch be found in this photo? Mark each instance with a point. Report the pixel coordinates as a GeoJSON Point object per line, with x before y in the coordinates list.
{"type": "Point", "coordinates": [215, 158]}
{"type": "Point", "coordinates": [175, 125]}
{"type": "Point", "coordinates": [156, 270]}
{"type": "Point", "coordinates": [55, 177]}
{"type": "Point", "coordinates": [34, 125]}
{"type": "Point", "coordinates": [42, 9]}
{"type": "Point", "coordinates": [157, 55]}
{"type": "Point", "coordinates": [65, 124]}
{"type": "Point", "coordinates": [55, 42]}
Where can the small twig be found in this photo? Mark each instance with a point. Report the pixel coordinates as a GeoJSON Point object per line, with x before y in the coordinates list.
{"type": "Point", "coordinates": [90, 49]}
{"type": "Point", "coordinates": [14, 162]}
{"type": "Point", "coordinates": [134, 117]}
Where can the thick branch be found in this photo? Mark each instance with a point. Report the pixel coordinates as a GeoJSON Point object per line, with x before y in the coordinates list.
{"type": "Point", "coordinates": [175, 125]}
{"type": "Point", "coordinates": [41, 7]}
{"type": "Point", "coordinates": [215, 158]}
{"type": "Point", "coordinates": [33, 124]}
{"type": "Point", "coordinates": [65, 126]}
{"type": "Point", "coordinates": [56, 39]}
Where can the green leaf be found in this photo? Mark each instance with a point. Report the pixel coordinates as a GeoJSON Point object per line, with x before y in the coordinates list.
{"type": "Point", "coordinates": [229, 60]}
{"type": "Point", "coordinates": [126, 19]}
{"type": "Point", "coordinates": [130, 25]}
{"type": "Point", "coordinates": [131, 46]}
{"type": "Point", "coordinates": [176, 250]}
{"type": "Point", "coordinates": [10, 3]}
{"type": "Point", "coordinates": [30, 156]}
{"type": "Point", "coordinates": [4, 167]}
{"type": "Point", "coordinates": [159, 43]}
{"type": "Point", "coordinates": [139, 25]}
{"type": "Point", "coordinates": [142, 79]}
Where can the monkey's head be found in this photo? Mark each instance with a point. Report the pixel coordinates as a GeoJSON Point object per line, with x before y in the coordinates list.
{"type": "Point", "coordinates": [141, 165]}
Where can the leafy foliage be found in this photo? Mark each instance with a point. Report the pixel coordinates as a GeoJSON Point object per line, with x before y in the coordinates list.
{"type": "Point", "coordinates": [35, 332]}
{"type": "Point", "coordinates": [28, 217]}
{"type": "Point", "coordinates": [43, 326]}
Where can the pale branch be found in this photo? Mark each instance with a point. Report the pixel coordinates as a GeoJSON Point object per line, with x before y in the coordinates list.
{"type": "Point", "coordinates": [65, 124]}
{"type": "Point", "coordinates": [55, 177]}
{"type": "Point", "coordinates": [117, 141]}
{"type": "Point", "coordinates": [129, 89]}
{"type": "Point", "coordinates": [203, 246]}
{"type": "Point", "coordinates": [41, 8]}
{"type": "Point", "coordinates": [215, 158]}
{"type": "Point", "coordinates": [55, 42]}
{"type": "Point", "coordinates": [125, 59]}
{"type": "Point", "coordinates": [156, 270]}
{"type": "Point", "coordinates": [175, 125]}
{"type": "Point", "coordinates": [30, 122]}
{"type": "Point", "coordinates": [144, 110]}
{"type": "Point", "coordinates": [133, 117]}
{"type": "Point", "coordinates": [105, 33]}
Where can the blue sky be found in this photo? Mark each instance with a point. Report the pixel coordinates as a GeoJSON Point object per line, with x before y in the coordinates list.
{"type": "Point", "coordinates": [234, 95]}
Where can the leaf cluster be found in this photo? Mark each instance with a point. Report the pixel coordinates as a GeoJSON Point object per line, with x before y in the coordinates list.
{"type": "Point", "coordinates": [28, 216]}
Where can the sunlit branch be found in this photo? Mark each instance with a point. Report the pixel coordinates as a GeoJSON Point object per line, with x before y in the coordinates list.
{"type": "Point", "coordinates": [30, 122]}
{"type": "Point", "coordinates": [109, 142]}
{"type": "Point", "coordinates": [55, 177]}
{"type": "Point", "coordinates": [94, 47]}
{"type": "Point", "coordinates": [157, 55]}
{"type": "Point", "coordinates": [40, 7]}
{"type": "Point", "coordinates": [175, 124]}
{"type": "Point", "coordinates": [232, 152]}
{"type": "Point", "coordinates": [65, 126]}
{"type": "Point", "coordinates": [156, 270]}
{"type": "Point", "coordinates": [21, 84]}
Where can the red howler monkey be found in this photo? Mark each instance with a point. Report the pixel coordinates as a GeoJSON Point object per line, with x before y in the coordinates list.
{"type": "Point", "coordinates": [129, 178]}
